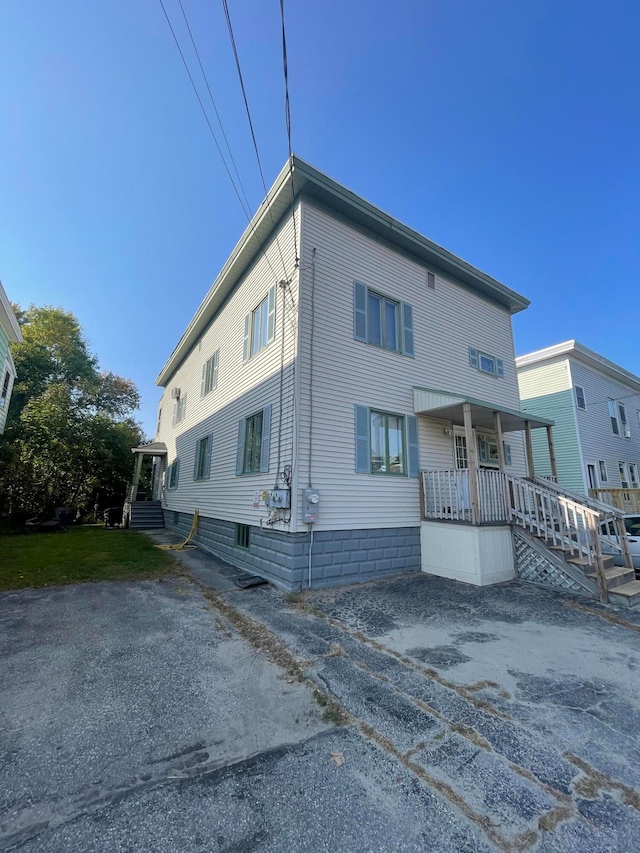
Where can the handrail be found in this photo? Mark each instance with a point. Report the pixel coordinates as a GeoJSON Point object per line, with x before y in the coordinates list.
{"type": "Point", "coordinates": [586, 500]}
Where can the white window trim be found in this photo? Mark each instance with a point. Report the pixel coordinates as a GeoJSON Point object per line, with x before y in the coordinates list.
{"type": "Point", "coordinates": [584, 398]}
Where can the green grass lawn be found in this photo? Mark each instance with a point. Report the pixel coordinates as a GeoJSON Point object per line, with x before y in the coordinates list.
{"type": "Point", "coordinates": [88, 553]}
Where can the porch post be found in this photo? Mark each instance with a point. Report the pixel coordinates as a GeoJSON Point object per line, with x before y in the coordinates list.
{"type": "Point", "coordinates": [529, 445]}
{"type": "Point", "coordinates": [473, 463]}
{"type": "Point", "coordinates": [552, 454]}
{"type": "Point", "coordinates": [497, 425]}
{"type": "Point", "coordinates": [136, 475]}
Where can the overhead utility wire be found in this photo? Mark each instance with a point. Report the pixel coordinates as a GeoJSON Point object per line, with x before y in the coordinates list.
{"type": "Point", "coordinates": [248, 111]}
{"type": "Point", "coordinates": [287, 113]}
{"type": "Point", "coordinates": [213, 103]}
{"type": "Point", "coordinates": [204, 112]}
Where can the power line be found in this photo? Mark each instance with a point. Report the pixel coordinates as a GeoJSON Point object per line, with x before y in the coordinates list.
{"type": "Point", "coordinates": [248, 111]}
{"type": "Point", "coordinates": [213, 103]}
{"type": "Point", "coordinates": [217, 144]}
{"type": "Point", "coordinates": [287, 113]}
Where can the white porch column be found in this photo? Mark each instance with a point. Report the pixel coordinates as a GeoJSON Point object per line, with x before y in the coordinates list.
{"type": "Point", "coordinates": [529, 445]}
{"type": "Point", "coordinates": [136, 475]}
{"type": "Point", "coordinates": [497, 425]}
{"type": "Point", "coordinates": [473, 463]}
{"type": "Point", "coordinates": [552, 454]}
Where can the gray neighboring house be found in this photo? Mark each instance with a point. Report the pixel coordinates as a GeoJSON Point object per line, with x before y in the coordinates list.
{"type": "Point", "coordinates": [344, 406]}
{"type": "Point", "coordinates": [9, 334]}
{"type": "Point", "coordinates": [596, 408]}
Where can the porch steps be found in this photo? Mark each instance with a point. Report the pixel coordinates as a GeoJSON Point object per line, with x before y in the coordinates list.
{"type": "Point", "coordinates": [616, 577]}
{"type": "Point", "coordinates": [627, 593]}
{"type": "Point", "coordinates": [146, 515]}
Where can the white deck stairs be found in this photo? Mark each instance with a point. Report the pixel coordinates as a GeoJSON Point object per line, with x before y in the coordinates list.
{"type": "Point", "coordinates": [559, 541]}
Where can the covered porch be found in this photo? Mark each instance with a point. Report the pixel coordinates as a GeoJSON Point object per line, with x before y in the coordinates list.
{"type": "Point", "coordinates": [474, 491]}
{"type": "Point", "coordinates": [143, 506]}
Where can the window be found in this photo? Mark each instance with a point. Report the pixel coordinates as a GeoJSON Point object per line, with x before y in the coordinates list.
{"type": "Point", "coordinates": [158, 425]}
{"type": "Point", "coordinates": [381, 321]}
{"type": "Point", "coordinates": [254, 443]}
{"type": "Point", "coordinates": [581, 403]}
{"type": "Point", "coordinates": [173, 472]}
{"type": "Point", "coordinates": [387, 443]}
{"type": "Point", "coordinates": [202, 465]}
{"type": "Point", "coordinates": [488, 451]}
{"type": "Point", "coordinates": [624, 426]}
{"type": "Point", "coordinates": [243, 533]}
{"type": "Point", "coordinates": [633, 475]}
{"type": "Point", "coordinates": [622, 468]}
{"type": "Point", "coordinates": [209, 375]}
{"type": "Point", "coordinates": [179, 409]}
{"type": "Point", "coordinates": [618, 416]}
{"type": "Point", "coordinates": [5, 388]}
{"type": "Point", "coordinates": [602, 470]}
{"type": "Point", "coordinates": [260, 326]}
{"type": "Point", "coordinates": [486, 363]}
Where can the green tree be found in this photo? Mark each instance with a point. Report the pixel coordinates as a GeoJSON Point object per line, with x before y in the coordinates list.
{"type": "Point", "coordinates": [70, 428]}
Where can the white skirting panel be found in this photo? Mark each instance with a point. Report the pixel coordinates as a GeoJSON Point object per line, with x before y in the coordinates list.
{"type": "Point", "coordinates": [477, 555]}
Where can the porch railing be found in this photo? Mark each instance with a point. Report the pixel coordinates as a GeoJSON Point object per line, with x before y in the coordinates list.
{"type": "Point", "coordinates": [626, 500]}
{"type": "Point", "coordinates": [447, 496]}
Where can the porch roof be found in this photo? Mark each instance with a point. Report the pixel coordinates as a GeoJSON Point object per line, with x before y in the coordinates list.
{"type": "Point", "coordinates": [448, 407]}
{"type": "Point", "coordinates": [154, 448]}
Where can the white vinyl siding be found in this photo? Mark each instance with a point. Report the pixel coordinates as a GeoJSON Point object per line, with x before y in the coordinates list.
{"type": "Point", "coordinates": [346, 373]}
{"type": "Point", "coordinates": [598, 440]}
{"type": "Point", "coordinates": [242, 389]}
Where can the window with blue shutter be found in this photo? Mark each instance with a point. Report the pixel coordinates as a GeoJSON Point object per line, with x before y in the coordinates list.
{"type": "Point", "coordinates": [173, 472]}
{"type": "Point", "coordinates": [381, 321]}
{"type": "Point", "coordinates": [486, 363]}
{"type": "Point", "coordinates": [363, 452]}
{"type": "Point", "coordinates": [202, 463]}
{"type": "Point", "coordinates": [254, 443]}
{"type": "Point", "coordinates": [209, 375]}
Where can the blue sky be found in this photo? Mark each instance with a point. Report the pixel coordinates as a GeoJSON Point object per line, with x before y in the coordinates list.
{"type": "Point", "coordinates": [508, 132]}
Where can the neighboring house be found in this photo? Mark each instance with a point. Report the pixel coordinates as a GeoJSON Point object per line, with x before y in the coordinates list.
{"type": "Point", "coordinates": [9, 333]}
{"type": "Point", "coordinates": [596, 408]}
{"type": "Point", "coordinates": [351, 415]}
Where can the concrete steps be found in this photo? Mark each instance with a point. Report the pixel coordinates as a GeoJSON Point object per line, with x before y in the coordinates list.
{"type": "Point", "coordinates": [146, 515]}
{"type": "Point", "coordinates": [616, 577]}
{"type": "Point", "coordinates": [627, 594]}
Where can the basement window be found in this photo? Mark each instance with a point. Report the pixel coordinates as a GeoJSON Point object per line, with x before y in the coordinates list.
{"type": "Point", "coordinates": [243, 532]}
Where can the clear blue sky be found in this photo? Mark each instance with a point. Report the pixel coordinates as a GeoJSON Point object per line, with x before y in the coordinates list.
{"type": "Point", "coordinates": [507, 131]}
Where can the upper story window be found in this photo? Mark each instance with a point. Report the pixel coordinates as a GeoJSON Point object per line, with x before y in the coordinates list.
{"type": "Point", "coordinates": [5, 388]}
{"type": "Point", "coordinates": [179, 409]}
{"type": "Point", "coordinates": [260, 326]}
{"type": "Point", "coordinates": [159, 424]}
{"type": "Point", "coordinates": [381, 321]}
{"type": "Point", "coordinates": [209, 374]}
{"type": "Point", "coordinates": [619, 422]}
{"type": "Point", "coordinates": [486, 363]}
{"type": "Point", "coordinates": [581, 402]}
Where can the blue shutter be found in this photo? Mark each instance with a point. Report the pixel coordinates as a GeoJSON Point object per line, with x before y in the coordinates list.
{"type": "Point", "coordinates": [359, 311]}
{"type": "Point", "coordinates": [407, 330]}
{"type": "Point", "coordinates": [216, 358]}
{"type": "Point", "coordinates": [203, 384]}
{"type": "Point", "coordinates": [363, 451]}
{"type": "Point", "coordinates": [207, 458]}
{"type": "Point", "coordinates": [246, 349]}
{"type": "Point", "coordinates": [507, 453]}
{"type": "Point", "coordinates": [265, 450]}
{"type": "Point", "coordinates": [473, 357]}
{"type": "Point", "coordinates": [242, 428]}
{"type": "Point", "coordinates": [500, 366]}
{"type": "Point", "coordinates": [413, 448]}
{"type": "Point", "coordinates": [271, 318]}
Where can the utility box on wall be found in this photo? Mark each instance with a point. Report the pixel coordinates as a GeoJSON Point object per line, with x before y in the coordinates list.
{"type": "Point", "coordinates": [280, 498]}
{"type": "Point", "coordinates": [310, 502]}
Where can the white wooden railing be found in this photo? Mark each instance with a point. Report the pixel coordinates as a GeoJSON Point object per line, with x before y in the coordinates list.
{"type": "Point", "coordinates": [570, 523]}
{"type": "Point", "coordinates": [626, 500]}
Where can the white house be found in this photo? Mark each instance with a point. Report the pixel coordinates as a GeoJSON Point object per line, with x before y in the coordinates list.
{"type": "Point", "coordinates": [344, 403]}
{"type": "Point", "coordinates": [9, 333]}
{"type": "Point", "coordinates": [596, 408]}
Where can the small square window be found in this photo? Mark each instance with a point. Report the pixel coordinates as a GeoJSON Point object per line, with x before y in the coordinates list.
{"type": "Point", "coordinates": [581, 403]}
{"type": "Point", "coordinates": [487, 364]}
{"type": "Point", "coordinates": [243, 536]}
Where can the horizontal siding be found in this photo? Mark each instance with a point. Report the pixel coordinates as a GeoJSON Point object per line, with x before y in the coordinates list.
{"type": "Point", "coordinates": [545, 390]}
{"type": "Point", "coordinates": [242, 389]}
{"type": "Point", "coordinates": [447, 321]}
{"type": "Point", "coordinates": [596, 436]}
